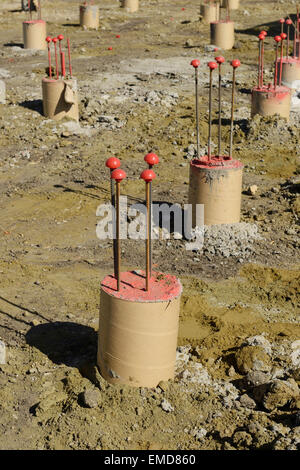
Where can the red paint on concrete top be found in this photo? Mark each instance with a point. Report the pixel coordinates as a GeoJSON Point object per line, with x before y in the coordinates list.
{"type": "Point", "coordinates": [222, 162]}
{"type": "Point", "coordinates": [162, 287]}
{"type": "Point", "coordinates": [34, 21]}
{"type": "Point", "coordinates": [289, 60]}
{"type": "Point", "coordinates": [280, 93]}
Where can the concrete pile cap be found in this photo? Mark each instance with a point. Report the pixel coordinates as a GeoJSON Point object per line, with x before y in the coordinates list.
{"type": "Point", "coordinates": [221, 162]}
{"type": "Point", "coordinates": [163, 287]}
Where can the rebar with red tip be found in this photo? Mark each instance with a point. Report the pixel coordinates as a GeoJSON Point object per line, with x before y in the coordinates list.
{"type": "Point", "coordinates": [48, 39]}
{"type": "Point", "coordinates": [235, 64]}
{"type": "Point", "coordinates": [288, 22]}
{"type": "Point", "coordinates": [220, 60]}
{"type": "Point", "coordinates": [118, 175]}
{"type": "Point", "coordinates": [283, 36]}
{"type": "Point", "coordinates": [261, 38]}
{"type": "Point", "coordinates": [212, 66]}
{"type": "Point", "coordinates": [152, 159]}
{"type": "Point", "coordinates": [54, 40]}
{"type": "Point", "coordinates": [113, 163]}
{"type": "Point", "coordinates": [60, 38]}
{"type": "Point", "coordinates": [278, 40]}
{"type": "Point", "coordinates": [69, 55]}
{"type": "Point", "coordinates": [148, 176]}
{"type": "Point", "coordinates": [195, 63]}
{"type": "Point", "coordinates": [281, 21]}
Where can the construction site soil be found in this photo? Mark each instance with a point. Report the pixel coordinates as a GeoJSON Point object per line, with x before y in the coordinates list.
{"type": "Point", "coordinates": [238, 359]}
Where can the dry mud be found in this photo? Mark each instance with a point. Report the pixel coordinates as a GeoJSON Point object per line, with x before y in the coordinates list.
{"type": "Point", "coordinates": [237, 375]}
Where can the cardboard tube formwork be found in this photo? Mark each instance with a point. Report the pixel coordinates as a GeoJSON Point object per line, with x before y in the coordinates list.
{"type": "Point", "coordinates": [89, 16]}
{"type": "Point", "coordinates": [218, 186]}
{"type": "Point", "coordinates": [60, 99]}
{"type": "Point", "coordinates": [232, 4]}
{"type": "Point", "coordinates": [131, 5]}
{"type": "Point", "coordinates": [268, 101]}
{"type": "Point", "coordinates": [222, 34]}
{"type": "Point", "coordinates": [210, 12]}
{"type": "Point", "coordinates": [290, 71]}
{"type": "Point", "coordinates": [34, 34]}
{"type": "Point", "coordinates": [138, 330]}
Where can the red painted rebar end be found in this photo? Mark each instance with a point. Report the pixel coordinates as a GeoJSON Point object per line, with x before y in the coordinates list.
{"type": "Point", "coordinates": [264, 32]}
{"type": "Point", "coordinates": [212, 65]}
{"type": "Point", "coordinates": [261, 36]}
{"type": "Point", "coordinates": [48, 39]}
{"type": "Point", "coordinates": [60, 37]}
{"type": "Point", "coordinates": [112, 163]}
{"type": "Point", "coordinates": [195, 63]}
{"type": "Point", "coordinates": [148, 175]}
{"type": "Point", "coordinates": [283, 35]}
{"type": "Point", "coordinates": [151, 159]}
{"type": "Point", "coordinates": [282, 20]}
{"type": "Point", "coordinates": [289, 21]}
{"type": "Point", "coordinates": [54, 40]}
{"type": "Point", "coordinates": [277, 38]}
{"type": "Point", "coordinates": [235, 63]}
{"type": "Point", "coordinates": [118, 175]}
{"type": "Point", "coordinates": [220, 59]}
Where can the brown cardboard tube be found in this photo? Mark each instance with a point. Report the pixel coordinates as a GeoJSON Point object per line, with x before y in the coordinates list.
{"type": "Point", "coordinates": [222, 34]}
{"type": "Point", "coordinates": [34, 34]}
{"type": "Point", "coordinates": [60, 99]}
{"type": "Point", "coordinates": [290, 71]}
{"type": "Point", "coordinates": [130, 5]}
{"type": "Point", "coordinates": [210, 11]}
{"type": "Point", "coordinates": [138, 335]}
{"type": "Point", "coordinates": [232, 4]}
{"type": "Point", "coordinates": [267, 101]}
{"type": "Point", "coordinates": [219, 189]}
{"type": "Point", "coordinates": [89, 16]}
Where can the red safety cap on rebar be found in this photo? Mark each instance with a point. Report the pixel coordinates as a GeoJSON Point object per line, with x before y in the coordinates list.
{"type": "Point", "coordinates": [54, 40]}
{"type": "Point", "coordinates": [212, 65]}
{"type": "Point", "coordinates": [118, 175]}
{"type": "Point", "coordinates": [282, 20]}
{"type": "Point", "coordinates": [220, 59]}
{"type": "Point", "coordinates": [235, 63]}
{"type": "Point", "coordinates": [151, 159]}
{"type": "Point", "coordinates": [60, 37]}
{"type": "Point", "coordinates": [277, 38]}
{"type": "Point", "coordinates": [112, 163]}
{"type": "Point", "coordinates": [264, 32]}
{"type": "Point", "coordinates": [48, 39]}
{"type": "Point", "coordinates": [195, 63]}
{"type": "Point", "coordinates": [148, 175]}
{"type": "Point", "coordinates": [289, 21]}
{"type": "Point", "coordinates": [283, 35]}
{"type": "Point", "coordinates": [261, 36]}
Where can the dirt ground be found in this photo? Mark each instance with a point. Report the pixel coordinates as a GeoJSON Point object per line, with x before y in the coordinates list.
{"type": "Point", "coordinates": [239, 314]}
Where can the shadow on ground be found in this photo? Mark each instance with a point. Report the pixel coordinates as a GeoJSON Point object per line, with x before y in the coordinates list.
{"type": "Point", "coordinates": [66, 343]}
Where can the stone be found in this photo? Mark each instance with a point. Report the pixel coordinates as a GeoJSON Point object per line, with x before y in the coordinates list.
{"type": "Point", "coordinates": [2, 353]}
{"type": "Point", "coordinates": [279, 393]}
{"type": "Point", "coordinates": [163, 385]}
{"type": "Point", "coordinates": [252, 190]}
{"type": "Point", "coordinates": [242, 439]}
{"type": "Point", "coordinates": [253, 379]}
{"type": "Point", "coordinates": [247, 402]}
{"type": "Point", "coordinates": [260, 340]}
{"type": "Point", "coordinates": [166, 406]}
{"type": "Point", "coordinates": [189, 43]}
{"type": "Point", "coordinates": [2, 92]}
{"type": "Point", "coordinates": [91, 398]}
{"type": "Point", "coordinates": [252, 358]}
